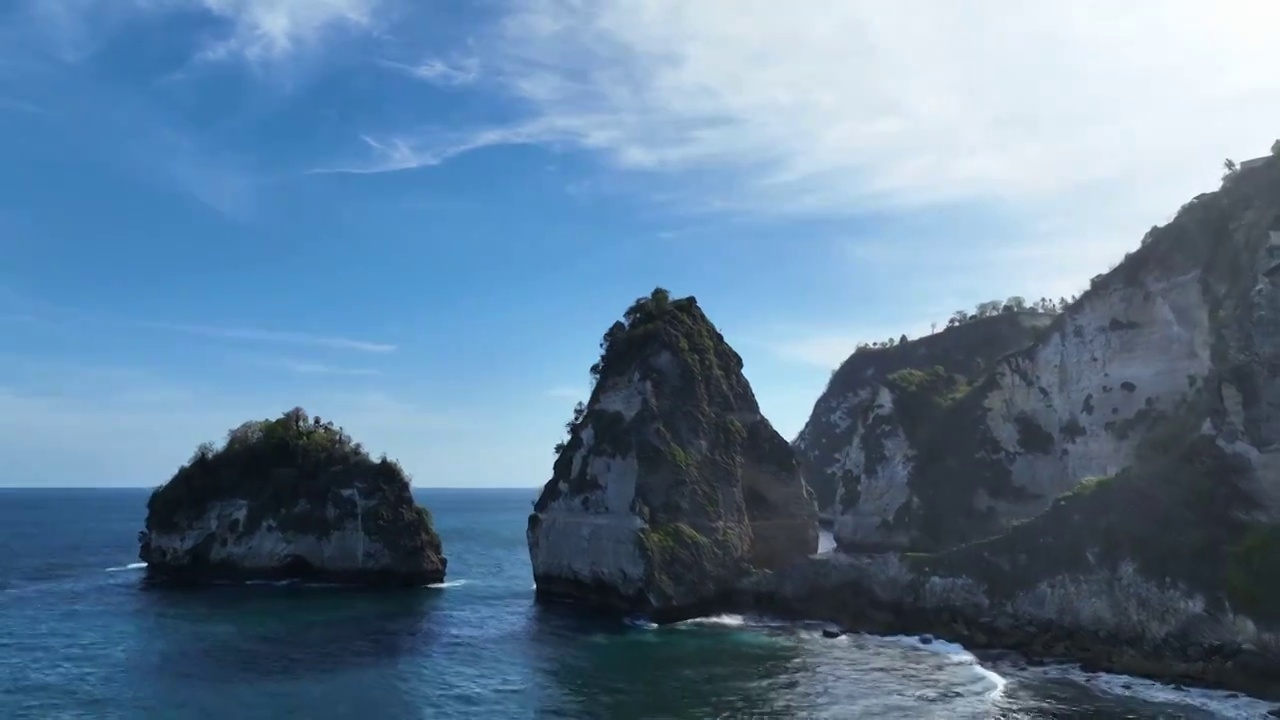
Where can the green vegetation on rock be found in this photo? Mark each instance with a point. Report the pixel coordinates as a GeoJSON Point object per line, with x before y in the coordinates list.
{"type": "Point", "coordinates": [921, 396]}
{"type": "Point", "coordinates": [293, 470]}
{"type": "Point", "coordinates": [1176, 515]}
{"type": "Point", "coordinates": [930, 378]}
{"type": "Point", "coordinates": [719, 490]}
{"type": "Point", "coordinates": [1253, 572]}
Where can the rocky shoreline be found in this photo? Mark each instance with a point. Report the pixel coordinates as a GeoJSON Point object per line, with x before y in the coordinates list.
{"type": "Point", "coordinates": [852, 607]}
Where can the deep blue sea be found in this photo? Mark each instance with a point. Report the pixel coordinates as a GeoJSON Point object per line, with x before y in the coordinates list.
{"type": "Point", "coordinates": [79, 638]}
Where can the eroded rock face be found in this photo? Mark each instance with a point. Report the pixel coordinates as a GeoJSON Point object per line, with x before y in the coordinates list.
{"type": "Point", "coordinates": [292, 498]}
{"type": "Point", "coordinates": [926, 453]}
{"type": "Point", "coordinates": [1108, 494]}
{"type": "Point", "coordinates": [859, 448]}
{"type": "Point", "coordinates": [1159, 571]}
{"type": "Point", "coordinates": [671, 485]}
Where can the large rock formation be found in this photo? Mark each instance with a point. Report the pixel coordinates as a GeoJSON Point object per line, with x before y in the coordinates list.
{"type": "Point", "coordinates": [866, 416]}
{"type": "Point", "coordinates": [671, 484]}
{"type": "Point", "coordinates": [291, 498]}
{"type": "Point", "coordinates": [1110, 492]}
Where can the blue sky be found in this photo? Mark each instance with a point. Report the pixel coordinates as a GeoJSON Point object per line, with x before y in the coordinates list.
{"type": "Point", "coordinates": [417, 217]}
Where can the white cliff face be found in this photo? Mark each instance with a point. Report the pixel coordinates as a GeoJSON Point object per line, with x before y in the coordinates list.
{"type": "Point", "coordinates": [594, 537]}
{"type": "Point", "coordinates": [1120, 356]}
{"type": "Point", "coordinates": [268, 547]}
{"type": "Point", "coordinates": [884, 486]}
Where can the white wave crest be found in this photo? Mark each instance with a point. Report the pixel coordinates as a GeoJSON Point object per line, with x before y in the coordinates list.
{"type": "Point", "coordinates": [130, 566]}
{"type": "Point", "coordinates": [714, 621]}
{"type": "Point", "coordinates": [1223, 704]}
{"type": "Point", "coordinates": [641, 623]}
{"type": "Point", "coordinates": [958, 654]}
{"type": "Point", "coordinates": [449, 584]}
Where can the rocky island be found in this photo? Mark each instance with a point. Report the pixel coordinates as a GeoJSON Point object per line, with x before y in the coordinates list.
{"type": "Point", "coordinates": [290, 498]}
{"type": "Point", "coordinates": [671, 486]}
{"type": "Point", "coordinates": [1101, 486]}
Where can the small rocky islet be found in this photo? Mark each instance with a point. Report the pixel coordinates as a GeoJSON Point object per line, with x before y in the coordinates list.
{"type": "Point", "coordinates": [1095, 481]}
{"type": "Point", "coordinates": [294, 498]}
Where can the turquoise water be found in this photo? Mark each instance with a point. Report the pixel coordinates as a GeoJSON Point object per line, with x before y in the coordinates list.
{"type": "Point", "coordinates": [79, 638]}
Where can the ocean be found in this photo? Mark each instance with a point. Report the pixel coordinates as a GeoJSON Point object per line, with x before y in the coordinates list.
{"type": "Point", "coordinates": [80, 638]}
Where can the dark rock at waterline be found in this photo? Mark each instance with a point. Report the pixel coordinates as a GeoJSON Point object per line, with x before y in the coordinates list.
{"type": "Point", "coordinates": [830, 632]}
{"type": "Point", "coordinates": [926, 639]}
{"type": "Point", "coordinates": [289, 499]}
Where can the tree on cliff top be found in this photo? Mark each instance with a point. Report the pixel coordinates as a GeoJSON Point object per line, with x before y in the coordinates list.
{"type": "Point", "coordinates": [271, 464]}
{"type": "Point", "coordinates": [642, 315]}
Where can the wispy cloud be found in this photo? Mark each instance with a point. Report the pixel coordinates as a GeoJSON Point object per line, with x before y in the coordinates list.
{"type": "Point", "coordinates": [269, 336]}
{"type": "Point", "coordinates": [840, 103]}
{"type": "Point", "coordinates": [394, 154]}
{"type": "Point", "coordinates": [834, 107]}
{"type": "Point", "coordinates": [18, 307]}
{"type": "Point", "coordinates": [270, 29]}
{"type": "Point", "coordinates": [439, 72]}
{"type": "Point", "coordinates": [252, 30]}
{"type": "Point", "coordinates": [308, 367]}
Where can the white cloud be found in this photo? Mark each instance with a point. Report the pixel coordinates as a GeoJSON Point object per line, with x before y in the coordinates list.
{"type": "Point", "coordinates": [1074, 122]}
{"type": "Point", "coordinates": [270, 29]}
{"type": "Point", "coordinates": [836, 103]}
{"type": "Point", "coordinates": [16, 307]}
{"type": "Point", "coordinates": [308, 367]}
{"type": "Point", "coordinates": [272, 336]}
{"type": "Point", "coordinates": [257, 30]}
{"type": "Point", "coordinates": [405, 153]}
{"type": "Point", "coordinates": [439, 72]}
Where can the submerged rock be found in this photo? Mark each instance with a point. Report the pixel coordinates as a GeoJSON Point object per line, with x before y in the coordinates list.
{"type": "Point", "coordinates": [291, 498]}
{"type": "Point", "coordinates": [671, 485]}
{"type": "Point", "coordinates": [1108, 494]}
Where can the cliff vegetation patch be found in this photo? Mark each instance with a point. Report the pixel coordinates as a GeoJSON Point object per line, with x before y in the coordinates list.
{"type": "Point", "coordinates": [294, 469]}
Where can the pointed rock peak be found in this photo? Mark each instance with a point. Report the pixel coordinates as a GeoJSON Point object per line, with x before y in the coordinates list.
{"type": "Point", "coordinates": [671, 483]}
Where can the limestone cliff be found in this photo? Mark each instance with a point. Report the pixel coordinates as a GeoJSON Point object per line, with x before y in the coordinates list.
{"type": "Point", "coordinates": [858, 446]}
{"type": "Point", "coordinates": [931, 457]}
{"type": "Point", "coordinates": [671, 485]}
{"type": "Point", "coordinates": [291, 498]}
{"type": "Point", "coordinates": [1111, 492]}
